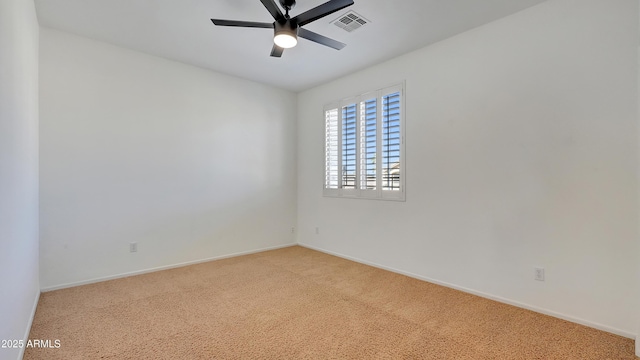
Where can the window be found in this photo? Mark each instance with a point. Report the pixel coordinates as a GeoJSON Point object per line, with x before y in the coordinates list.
{"type": "Point", "coordinates": [364, 146]}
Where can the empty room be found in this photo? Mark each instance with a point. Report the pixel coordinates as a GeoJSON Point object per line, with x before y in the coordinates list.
{"type": "Point", "coordinates": [319, 179]}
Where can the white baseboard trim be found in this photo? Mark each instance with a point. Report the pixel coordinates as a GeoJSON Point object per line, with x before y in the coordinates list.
{"type": "Point", "coordinates": [487, 296]}
{"type": "Point", "coordinates": [160, 268]}
{"type": "Point", "coordinates": [28, 331]}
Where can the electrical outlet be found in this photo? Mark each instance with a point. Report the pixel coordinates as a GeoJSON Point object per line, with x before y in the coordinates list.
{"type": "Point", "coordinates": [293, 230]}
{"type": "Point", "coordinates": [317, 230]}
{"type": "Point", "coordinates": [538, 273]}
{"type": "Point", "coordinates": [133, 247]}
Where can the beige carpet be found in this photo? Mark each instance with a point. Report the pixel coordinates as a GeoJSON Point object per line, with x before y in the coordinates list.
{"type": "Point", "coordinates": [296, 303]}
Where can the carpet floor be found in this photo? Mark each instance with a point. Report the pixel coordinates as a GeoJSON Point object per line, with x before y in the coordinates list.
{"type": "Point", "coordinates": [296, 303]}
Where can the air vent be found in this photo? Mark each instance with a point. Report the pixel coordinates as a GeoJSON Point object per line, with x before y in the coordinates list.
{"type": "Point", "coordinates": [350, 21]}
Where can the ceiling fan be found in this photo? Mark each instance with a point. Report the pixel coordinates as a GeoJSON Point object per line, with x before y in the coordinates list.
{"type": "Point", "coordinates": [287, 29]}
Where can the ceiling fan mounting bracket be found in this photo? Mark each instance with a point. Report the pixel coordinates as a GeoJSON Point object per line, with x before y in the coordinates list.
{"type": "Point", "coordinates": [288, 4]}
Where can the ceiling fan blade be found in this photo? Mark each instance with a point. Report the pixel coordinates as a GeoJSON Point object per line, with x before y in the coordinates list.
{"type": "Point", "coordinates": [321, 11]}
{"type": "Point", "coordinates": [273, 9]}
{"type": "Point", "coordinates": [251, 24]}
{"type": "Point", "coordinates": [276, 51]}
{"type": "Point", "coordinates": [320, 39]}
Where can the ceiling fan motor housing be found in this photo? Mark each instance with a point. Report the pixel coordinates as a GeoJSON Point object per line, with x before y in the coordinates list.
{"type": "Point", "coordinates": [289, 27]}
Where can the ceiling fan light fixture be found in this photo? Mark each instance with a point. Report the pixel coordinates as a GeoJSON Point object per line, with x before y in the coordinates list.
{"type": "Point", "coordinates": [286, 34]}
{"type": "Point", "coordinates": [285, 41]}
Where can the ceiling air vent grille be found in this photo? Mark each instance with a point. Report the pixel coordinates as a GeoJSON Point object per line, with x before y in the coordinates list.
{"type": "Point", "coordinates": [350, 21]}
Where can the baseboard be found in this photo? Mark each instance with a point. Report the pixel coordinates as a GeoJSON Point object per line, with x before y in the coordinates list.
{"type": "Point", "coordinates": [28, 331]}
{"type": "Point", "coordinates": [487, 296]}
{"type": "Point", "coordinates": [160, 268]}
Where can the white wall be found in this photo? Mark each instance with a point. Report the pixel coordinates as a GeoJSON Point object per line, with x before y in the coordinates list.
{"type": "Point", "coordinates": [19, 287]}
{"type": "Point", "coordinates": [521, 152]}
{"type": "Point", "coordinates": [638, 177]}
{"type": "Point", "coordinates": [188, 163]}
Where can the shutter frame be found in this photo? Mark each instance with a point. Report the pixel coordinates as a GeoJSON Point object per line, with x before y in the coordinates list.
{"type": "Point", "coordinates": [359, 120]}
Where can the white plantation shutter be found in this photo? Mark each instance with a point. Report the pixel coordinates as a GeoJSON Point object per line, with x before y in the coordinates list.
{"type": "Point", "coordinates": [368, 144]}
{"type": "Point", "coordinates": [349, 146]}
{"type": "Point", "coordinates": [331, 149]}
{"type": "Point", "coordinates": [391, 139]}
{"type": "Point", "coordinates": [364, 146]}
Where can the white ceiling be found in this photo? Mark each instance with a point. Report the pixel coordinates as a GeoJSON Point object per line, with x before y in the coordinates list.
{"type": "Point", "coordinates": [181, 30]}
